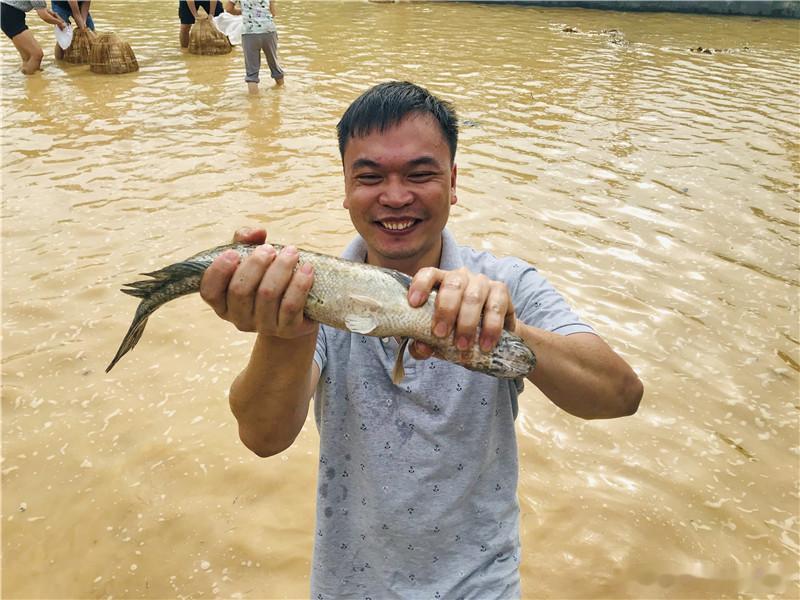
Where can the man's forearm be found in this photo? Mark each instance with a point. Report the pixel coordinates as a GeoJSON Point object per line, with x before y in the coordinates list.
{"type": "Point", "coordinates": [270, 397]}
{"type": "Point", "coordinates": [581, 374]}
{"type": "Point", "coordinates": [75, 8]}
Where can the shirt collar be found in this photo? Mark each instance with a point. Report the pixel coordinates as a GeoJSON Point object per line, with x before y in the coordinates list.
{"type": "Point", "coordinates": [451, 258]}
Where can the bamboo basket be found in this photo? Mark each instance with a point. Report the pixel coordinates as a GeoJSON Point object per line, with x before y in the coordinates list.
{"type": "Point", "coordinates": [205, 38]}
{"type": "Point", "coordinates": [80, 50]}
{"type": "Point", "coordinates": [110, 54]}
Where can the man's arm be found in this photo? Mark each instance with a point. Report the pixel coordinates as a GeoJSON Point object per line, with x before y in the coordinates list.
{"type": "Point", "coordinates": [80, 20]}
{"type": "Point", "coordinates": [85, 11]}
{"type": "Point", "coordinates": [579, 373]}
{"type": "Point", "coordinates": [265, 294]}
{"type": "Point", "coordinates": [230, 7]}
{"type": "Point", "coordinates": [271, 396]}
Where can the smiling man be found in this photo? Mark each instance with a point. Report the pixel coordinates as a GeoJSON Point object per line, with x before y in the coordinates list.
{"type": "Point", "coordinates": [417, 481]}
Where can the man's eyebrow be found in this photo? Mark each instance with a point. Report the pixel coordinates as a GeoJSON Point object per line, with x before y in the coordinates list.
{"type": "Point", "coordinates": [416, 162]}
{"type": "Point", "coordinates": [364, 162]}
{"type": "Point", "coordinates": [424, 160]}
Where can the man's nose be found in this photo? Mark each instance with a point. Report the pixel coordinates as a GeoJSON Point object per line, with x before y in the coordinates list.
{"type": "Point", "coordinates": [396, 194]}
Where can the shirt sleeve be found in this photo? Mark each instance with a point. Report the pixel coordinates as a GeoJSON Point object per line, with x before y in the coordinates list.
{"type": "Point", "coordinates": [537, 302]}
{"type": "Point", "coordinates": [321, 351]}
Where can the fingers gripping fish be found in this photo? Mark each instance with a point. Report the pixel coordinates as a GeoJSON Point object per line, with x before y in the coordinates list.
{"type": "Point", "coordinates": [347, 295]}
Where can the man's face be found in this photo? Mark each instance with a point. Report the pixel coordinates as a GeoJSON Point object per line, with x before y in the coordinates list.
{"type": "Point", "coordinates": [399, 185]}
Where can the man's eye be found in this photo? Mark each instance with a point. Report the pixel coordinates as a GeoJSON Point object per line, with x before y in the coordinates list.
{"type": "Point", "coordinates": [368, 178]}
{"type": "Point", "coordinates": [421, 176]}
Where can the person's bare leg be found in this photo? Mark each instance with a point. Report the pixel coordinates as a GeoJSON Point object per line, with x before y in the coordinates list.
{"type": "Point", "coordinates": [185, 35]}
{"type": "Point", "coordinates": [30, 51]}
{"type": "Point", "coordinates": [58, 52]}
{"type": "Point", "coordinates": [252, 88]}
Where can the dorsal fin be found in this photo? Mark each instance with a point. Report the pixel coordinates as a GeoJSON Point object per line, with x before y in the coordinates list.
{"type": "Point", "coordinates": [404, 279]}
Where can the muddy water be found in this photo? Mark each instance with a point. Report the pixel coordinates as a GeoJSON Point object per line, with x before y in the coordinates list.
{"type": "Point", "coordinates": [656, 187]}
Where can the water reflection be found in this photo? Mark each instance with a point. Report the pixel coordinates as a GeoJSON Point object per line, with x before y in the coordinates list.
{"type": "Point", "coordinates": [654, 186]}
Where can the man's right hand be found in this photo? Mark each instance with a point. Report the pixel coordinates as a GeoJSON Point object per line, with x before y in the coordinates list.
{"type": "Point", "coordinates": [265, 292]}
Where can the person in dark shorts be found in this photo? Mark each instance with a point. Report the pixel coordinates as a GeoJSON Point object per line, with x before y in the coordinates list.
{"type": "Point", "coordinates": [187, 11]}
{"type": "Point", "coordinates": [75, 9]}
{"type": "Point", "coordinates": [12, 22]}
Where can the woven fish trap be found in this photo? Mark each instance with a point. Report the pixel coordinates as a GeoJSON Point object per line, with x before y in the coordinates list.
{"type": "Point", "coordinates": [80, 50]}
{"type": "Point", "coordinates": [205, 38]}
{"type": "Point", "coordinates": [110, 54]}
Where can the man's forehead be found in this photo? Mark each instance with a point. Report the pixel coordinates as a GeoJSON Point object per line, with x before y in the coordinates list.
{"type": "Point", "coordinates": [414, 119]}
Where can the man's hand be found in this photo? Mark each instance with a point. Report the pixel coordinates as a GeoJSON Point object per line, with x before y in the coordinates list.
{"type": "Point", "coordinates": [464, 302]}
{"type": "Point", "coordinates": [264, 293]}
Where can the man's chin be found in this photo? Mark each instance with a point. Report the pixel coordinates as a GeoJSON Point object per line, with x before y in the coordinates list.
{"type": "Point", "coordinates": [390, 255]}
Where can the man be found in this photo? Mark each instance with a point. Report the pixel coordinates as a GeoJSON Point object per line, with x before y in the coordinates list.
{"type": "Point", "coordinates": [417, 482]}
{"type": "Point", "coordinates": [12, 22]}
{"type": "Point", "coordinates": [258, 34]}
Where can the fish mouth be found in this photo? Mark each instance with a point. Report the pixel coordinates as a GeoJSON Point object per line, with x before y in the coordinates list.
{"type": "Point", "coordinates": [398, 226]}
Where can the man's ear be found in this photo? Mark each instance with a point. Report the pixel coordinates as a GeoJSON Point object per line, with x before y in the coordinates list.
{"type": "Point", "coordinates": [453, 174]}
{"type": "Point", "coordinates": [346, 201]}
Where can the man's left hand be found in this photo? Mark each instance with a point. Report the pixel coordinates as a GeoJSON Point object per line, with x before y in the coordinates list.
{"type": "Point", "coordinates": [465, 301]}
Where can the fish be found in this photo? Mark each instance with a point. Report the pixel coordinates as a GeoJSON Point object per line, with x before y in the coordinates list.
{"type": "Point", "coordinates": [352, 296]}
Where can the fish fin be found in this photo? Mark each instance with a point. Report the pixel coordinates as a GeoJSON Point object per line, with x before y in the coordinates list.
{"type": "Point", "coordinates": [163, 277]}
{"type": "Point", "coordinates": [364, 319]}
{"type": "Point", "coordinates": [404, 279]}
{"type": "Point", "coordinates": [361, 323]}
{"type": "Point", "coordinates": [131, 338]}
{"type": "Point", "coordinates": [399, 372]}
{"type": "Point", "coordinates": [367, 302]}
{"type": "Point", "coordinates": [155, 292]}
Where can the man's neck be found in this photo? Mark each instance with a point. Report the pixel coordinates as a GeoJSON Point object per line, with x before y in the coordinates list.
{"type": "Point", "coordinates": [409, 266]}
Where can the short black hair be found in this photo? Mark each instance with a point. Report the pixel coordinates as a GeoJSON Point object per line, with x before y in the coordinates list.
{"type": "Point", "coordinates": [386, 104]}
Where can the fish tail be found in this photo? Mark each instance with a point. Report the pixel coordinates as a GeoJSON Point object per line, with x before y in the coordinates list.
{"type": "Point", "coordinates": [168, 276]}
{"type": "Point", "coordinates": [132, 337]}
{"type": "Point", "coordinates": [166, 284]}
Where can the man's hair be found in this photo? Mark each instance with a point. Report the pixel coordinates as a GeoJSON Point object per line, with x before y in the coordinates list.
{"type": "Point", "coordinates": [386, 104]}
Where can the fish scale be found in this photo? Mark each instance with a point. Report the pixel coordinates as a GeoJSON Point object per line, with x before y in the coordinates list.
{"type": "Point", "coordinates": [348, 295]}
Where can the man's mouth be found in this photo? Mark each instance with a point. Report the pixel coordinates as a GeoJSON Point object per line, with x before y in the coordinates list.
{"type": "Point", "coordinates": [398, 225]}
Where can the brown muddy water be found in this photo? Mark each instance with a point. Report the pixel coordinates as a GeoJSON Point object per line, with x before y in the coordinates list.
{"type": "Point", "coordinates": [656, 187]}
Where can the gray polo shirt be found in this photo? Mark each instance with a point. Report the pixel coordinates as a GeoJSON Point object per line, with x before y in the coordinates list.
{"type": "Point", "coordinates": [417, 482]}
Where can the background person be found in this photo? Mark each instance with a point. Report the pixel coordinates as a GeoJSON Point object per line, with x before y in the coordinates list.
{"type": "Point", "coordinates": [12, 22]}
{"type": "Point", "coordinates": [76, 9]}
{"type": "Point", "coordinates": [417, 494]}
{"type": "Point", "coordinates": [258, 34]}
{"type": "Point", "coordinates": [187, 12]}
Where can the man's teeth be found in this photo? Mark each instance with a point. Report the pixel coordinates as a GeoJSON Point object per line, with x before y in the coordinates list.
{"type": "Point", "coordinates": [397, 226]}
